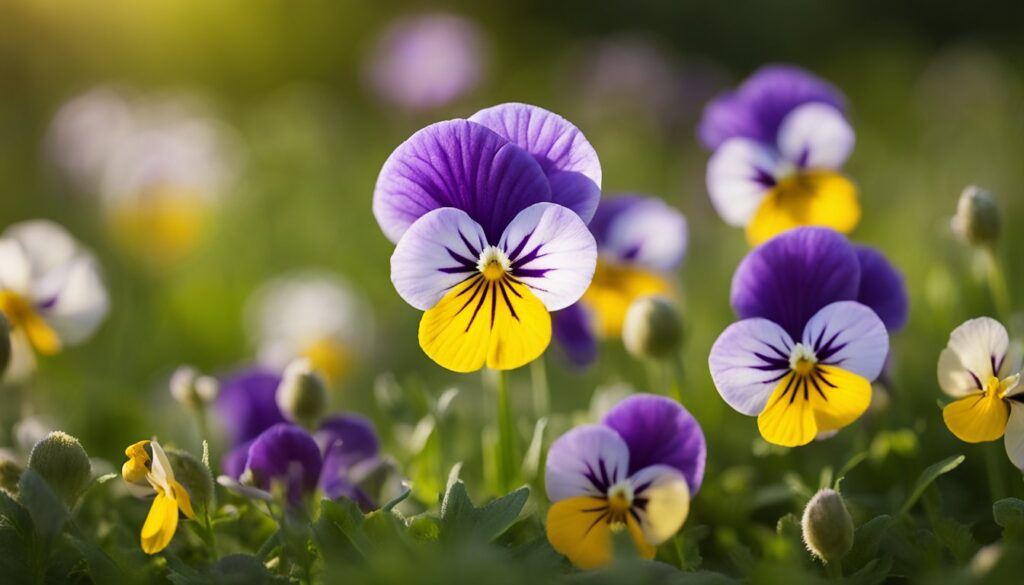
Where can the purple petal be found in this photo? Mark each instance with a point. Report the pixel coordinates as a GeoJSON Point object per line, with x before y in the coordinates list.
{"type": "Point", "coordinates": [247, 404]}
{"type": "Point", "coordinates": [849, 335]}
{"type": "Point", "coordinates": [457, 164]}
{"type": "Point", "coordinates": [792, 276]}
{"type": "Point", "coordinates": [347, 440]}
{"type": "Point", "coordinates": [585, 461]}
{"type": "Point", "coordinates": [640, 230]}
{"type": "Point", "coordinates": [659, 431]}
{"type": "Point", "coordinates": [288, 454]}
{"type": "Point", "coordinates": [233, 463]}
{"type": "Point", "coordinates": [756, 109]}
{"type": "Point", "coordinates": [882, 288]}
{"type": "Point", "coordinates": [572, 328]}
{"type": "Point", "coordinates": [569, 161]}
{"type": "Point", "coordinates": [747, 361]}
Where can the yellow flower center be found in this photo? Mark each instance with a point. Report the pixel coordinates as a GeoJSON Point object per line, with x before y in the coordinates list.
{"type": "Point", "coordinates": [329, 357]}
{"type": "Point", "coordinates": [614, 288]}
{"type": "Point", "coordinates": [23, 317]}
{"type": "Point", "coordinates": [493, 263]}
{"type": "Point", "coordinates": [802, 360]}
{"type": "Point", "coordinates": [620, 501]}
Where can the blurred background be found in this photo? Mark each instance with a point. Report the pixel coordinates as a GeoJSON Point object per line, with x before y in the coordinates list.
{"type": "Point", "coordinates": [201, 149]}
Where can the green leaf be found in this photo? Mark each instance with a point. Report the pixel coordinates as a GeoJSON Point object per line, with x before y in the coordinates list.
{"type": "Point", "coordinates": [873, 573]}
{"type": "Point", "coordinates": [927, 477]}
{"type": "Point", "coordinates": [461, 519]}
{"type": "Point", "coordinates": [338, 532]}
{"type": "Point", "coordinates": [16, 553]}
{"type": "Point", "coordinates": [866, 542]}
{"type": "Point", "coordinates": [230, 570]}
{"type": "Point", "coordinates": [102, 568]}
{"type": "Point", "coordinates": [848, 467]}
{"type": "Point", "coordinates": [46, 509]}
{"type": "Point", "coordinates": [1009, 514]}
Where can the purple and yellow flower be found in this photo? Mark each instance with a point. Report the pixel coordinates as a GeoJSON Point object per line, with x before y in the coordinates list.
{"type": "Point", "coordinates": [779, 141]}
{"type": "Point", "coordinates": [640, 241]}
{"type": "Point", "coordinates": [637, 470]}
{"type": "Point", "coordinates": [427, 61]}
{"type": "Point", "coordinates": [489, 217]}
{"type": "Point", "coordinates": [982, 372]}
{"type": "Point", "coordinates": [149, 467]}
{"type": "Point", "coordinates": [312, 314]}
{"type": "Point", "coordinates": [812, 336]}
{"type": "Point", "coordinates": [50, 292]}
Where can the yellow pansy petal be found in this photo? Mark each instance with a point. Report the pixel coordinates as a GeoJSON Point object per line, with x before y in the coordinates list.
{"type": "Point", "coordinates": [163, 225]}
{"type": "Point", "coordinates": [184, 502]}
{"type": "Point", "coordinates": [328, 357]}
{"type": "Point", "coordinates": [788, 419]}
{"type": "Point", "coordinates": [500, 323]}
{"type": "Point", "coordinates": [613, 290]}
{"type": "Point", "coordinates": [668, 505]}
{"type": "Point", "coordinates": [819, 197]}
{"type": "Point", "coordinates": [22, 316]}
{"type": "Point", "coordinates": [843, 398]}
{"type": "Point", "coordinates": [577, 529]}
{"type": "Point", "coordinates": [135, 469]}
{"type": "Point", "coordinates": [645, 549]}
{"type": "Point", "coordinates": [162, 521]}
{"type": "Point", "coordinates": [978, 417]}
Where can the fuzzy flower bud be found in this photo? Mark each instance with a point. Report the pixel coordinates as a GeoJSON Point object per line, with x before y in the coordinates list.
{"type": "Point", "coordinates": [192, 389]}
{"type": "Point", "coordinates": [302, 395]}
{"type": "Point", "coordinates": [653, 328]}
{"type": "Point", "coordinates": [5, 343]}
{"type": "Point", "coordinates": [63, 463]}
{"type": "Point", "coordinates": [977, 218]}
{"type": "Point", "coordinates": [192, 474]}
{"type": "Point", "coordinates": [827, 526]}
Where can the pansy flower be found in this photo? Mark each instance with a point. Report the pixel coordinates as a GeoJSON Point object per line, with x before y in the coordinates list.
{"type": "Point", "coordinates": [808, 346]}
{"type": "Point", "coordinates": [148, 466]}
{"type": "Point", "coordinates": [347, 446]}
{"type": "Point", "coordinates": [640, 241]}
{"type": "Point", "coordinates": [779, 141]}
{"type": "Point", "coordinates": [980, 371]}
{"type": "Point", "coordinates": [489, 217]}
{"type": "Point", "coordinates": [50, 291]}
{"type": "Point", "coordinates": [311, 314]}
{"type": "Point", "coordinates": [636, 471]}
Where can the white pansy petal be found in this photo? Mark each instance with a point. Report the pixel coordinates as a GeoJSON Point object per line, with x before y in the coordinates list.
{"type": "Point", "coordinates": [739, 175]}
{"type": "Point", "coordinates": [22, 362]}
{"type": "Point", "coordinates": [967, 362]}
{"type": "Point", "coordinates": [747, 361]}
{"type": "Point", "coordinates": [1014, 437]}
{"type": "Point", "coordinates": [15, 269]}
{"type": "Point", "coordinates": [849, 335]}
{"type": "Point", "coordinates": [667, 501]}
{"type": "Point", "coordinates": [161, 472]}
{"type": "Point", "coordinates": [552, 251]}
{"type": "Point", "coordinates": [80, 304]}
{"type": "Point", "coordinates": [586, 461]}
{"type": "Point", "coordinates": [46, 244]}
{"type": "Point", "coordinates": [816, 136]}
{"type": "Point", "coordinates": [649, 233]}
{"type": "Point", "coordinates": [437, 252]}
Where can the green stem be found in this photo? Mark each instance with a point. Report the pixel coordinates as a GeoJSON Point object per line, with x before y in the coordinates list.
{"type": "Point", "coordinates": [506, 436]}
{"type": "Point", "coordinates": [997, 284]}
{"type": "Point", "coordinates": [541, 391]}
{"type": "Point", "coordinates": [994, 467]}
{"type": "Point", "coordinates": [678, 377]}
{"type": "Point", "coordinates": [834, 570]}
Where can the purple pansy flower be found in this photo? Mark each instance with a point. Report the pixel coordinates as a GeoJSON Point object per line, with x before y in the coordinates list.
{"type": "Point", "coordinates": [489, 217]}
{"type": "Point", "coordinates": [285, 453]}
{"type": "Point", "coordinates": [808, 346]}
{"type": "Point", "coordinates": [640, 241]}
{"type": "Point", "coordinates": [778, 141]}
{"type": "Point", "coordinates": [637, 470]}
{"type": "Point", "coordinates": [247, 403]}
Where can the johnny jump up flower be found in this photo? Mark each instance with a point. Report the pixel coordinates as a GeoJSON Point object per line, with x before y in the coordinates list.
{"type": "Point", "coordinates": [489, 217]}
{"type": "Point", "coordinates": [148, 465]}
{"type": "Point", "coordinates": [640, 241]}
{"type": "Point", "coordinates": [812, 336]}
{"type": "Point", "coordinates": [980, 370]}
{"type": "Point", "coordinates": [50, 292]}
{"type": "Point", "coordinates": [636, 471]}
{"type": "Point", "coordinates": [779, 141]}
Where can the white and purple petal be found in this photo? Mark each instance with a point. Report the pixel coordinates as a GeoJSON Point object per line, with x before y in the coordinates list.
{"type": "Point", "coordinates": [977, 350]}
{"type": "Point", "coordinates": [440, 250]}
{"type": "Point", "coordinates": [568, 159]}
{"type": "Point", "coordinates": [458, 164]}
{"type": "Point", "coordinates": [848, 335]}
{"type": "Point", "coordinates": [73, 299]}
{"type": "Point", "coordinates": [585, 461]}
{"type": "Point", "coordinates": [747, 361]}
{"type": "Point", "coordinates": [816, 136]}
{"type": "Point", "coordinates": [882, 288]}
{"type": "Point", "coordinates": [794, 275]}
{"type": "Point", "coordinates": [659, 431]}
{"type": "Point", "coordinates": [640, 230]}
{"type": "Point", "coordinates": [661, 500]}
{"type": "Point", "coordinates": [553, 252]}
{"type": "Point", "coordinates": [739, 176]}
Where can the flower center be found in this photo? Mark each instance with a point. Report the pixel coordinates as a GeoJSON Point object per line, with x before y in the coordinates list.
{"type": "Point", "coordinates": [23, 316]}
{"type": "Point", "coordinates": [802, 360]}
{"type": "Point", "coordinates": [493, 263]}
{"type": "Point", "coordinates": [999, 388]}
{"type": "Point", "coordinates": [620, 501]}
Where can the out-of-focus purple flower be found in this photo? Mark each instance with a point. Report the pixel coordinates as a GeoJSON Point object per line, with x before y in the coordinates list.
{"type": "Point", "coordinates": [882, 287]}
{"type": "Point", "coordinates": [288, 454]}
{"type": "Point", "coordinates": [427, 61]}
{"type": "Point", "coordinates": [638, 469]}
{"type": "Point", "coordinates": [247, 403]}
{"type": "Point", "coordinates": [573, 329]}
{"type": "Point", "coordinates": [351, 448]}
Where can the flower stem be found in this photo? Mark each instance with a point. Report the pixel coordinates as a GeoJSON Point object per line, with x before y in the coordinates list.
{"type": "Point", "coordinates": [997, 283]}
{"type": "Point", "coordinates": [678, 376]}
{"type": "Point", "coordinates": [541, 391]}
{"type": "Point", "coordinates": [993, 465]}
{"type": "Point", "coordinates": [506, 436]}
{"type": "Point", "coordinates": [834, 570]}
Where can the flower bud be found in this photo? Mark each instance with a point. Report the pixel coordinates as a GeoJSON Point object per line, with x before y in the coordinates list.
{"type": "Point", "coordinates": [977, 218]}
{"type": "Point", "coordinates": [10, 472]}
{"type": "Point", "coordinates": [63, 463]}
{"type": "Point", "coordinates": [192, 389]}
{"type": "Point", "coordinates": [302, 395]}
{"type": "Point", "coordinates": [192, 474]}
{"type": "Point", "coordinates": [653, 328]}
{"type": "Point", "coordinates": [5, 343]}
{"type": "Point", "coordinates": [827, 526]}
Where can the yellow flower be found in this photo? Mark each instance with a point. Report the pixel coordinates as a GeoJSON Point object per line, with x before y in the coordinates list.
{"type": "Point", "coordinates": [148, 464]}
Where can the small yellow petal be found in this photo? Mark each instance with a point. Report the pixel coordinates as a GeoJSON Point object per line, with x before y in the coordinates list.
{"type": "Point", "coordinates": [163, 225]}
{"type": "Point", "coordinates": [23, 317]}
{"type": "Point", "coordinates": [614, 288]}
{"type": "Point", "coordinates": [788, 419]}
{"type": "Point", "coordinates": [976, 418]}
{"type": "Point", "coordinates": [500, 323]}
{"type": "Point", "coordinates": [815, 197]}
{"type": "Point", "coordinates": [645, 549]}
{"type": "Point", "coordinates": [160, 525]}
{"type": "Point", "coordinates": [668, 505]}
{"type": "Point", "coordinates": [135, 469]}
{"type": "Point", "coordinates": [577, 529]}
{"type": "Point", "coordinates": [184, 502]}
{"type": "Point", "coordinates": [843, 398]}
{"type": "Point", "coordinates": [328, 357]}
{"type": "Point", "coordinates": [828, 398]}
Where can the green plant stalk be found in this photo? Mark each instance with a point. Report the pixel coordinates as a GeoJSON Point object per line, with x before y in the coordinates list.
{"type": "Point", "coordinates": [506, 436]}
{"type": "Point", "coordinates": [997, 284]}
{"type": "Point", "coordinates": [834, 570]}
{"type": "Point", "coordinates": [541, 390]}
{"type": "Point", "coordinates": [678, 376]}
{"type": "Point", "coordinates": [994, 468]}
